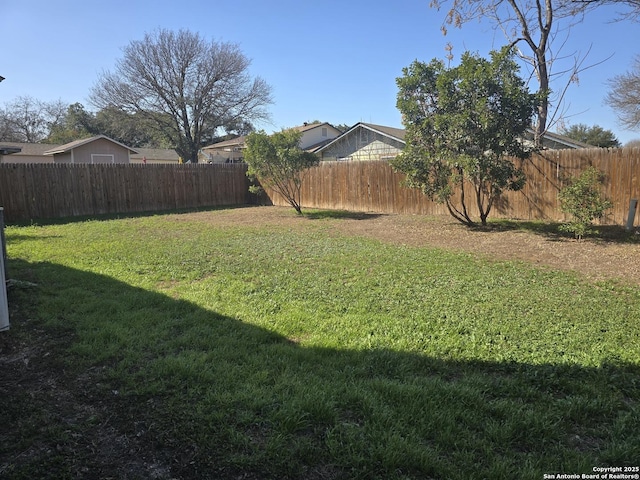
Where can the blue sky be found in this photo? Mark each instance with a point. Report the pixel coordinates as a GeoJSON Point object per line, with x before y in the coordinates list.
{"type": "Point", "coordinates": [334, 61]}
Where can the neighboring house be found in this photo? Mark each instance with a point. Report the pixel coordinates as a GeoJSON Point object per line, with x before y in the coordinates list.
{"type": "Point", "coordinates": [314, 136]}
{"type": "Point", "coordinates": [14, 152]}
{"type": "Point", "coordinates": [365, 141]}
{"type": "Point", "coordinates": [229, 151]}
{"type": "Point", "coordinates": [98, 149]}
{"type": "Point", "coordinates": [555, 141]}
{"type": "Point", "coordinates": [154, 155]}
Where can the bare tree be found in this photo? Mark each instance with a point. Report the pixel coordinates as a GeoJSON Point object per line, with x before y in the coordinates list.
{"type": "Point", "coordinates": [187, 87]}
{"type": "Point", "coordinates": [29, 120]}
{"type": "Point", "coordinates": [624, 96]}
{"type": "Point", "coordinates": [540, 25]}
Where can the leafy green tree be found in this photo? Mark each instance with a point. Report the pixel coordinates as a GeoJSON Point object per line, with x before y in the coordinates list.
{"type": "Point", "coordinates": [76, 124]}
{"type": "Point", "coordinates": [538, 30]}
{"type": "Point", "coordinates": [278, 162]}
{"type": "Point", "coordinates": [582, 199]}
{"type": "Point", "coordinates": [131, 129]}
{"type": "Point", "coordinates": [462, 126]}
{"type": "Point", "coordinates": [595, 135]}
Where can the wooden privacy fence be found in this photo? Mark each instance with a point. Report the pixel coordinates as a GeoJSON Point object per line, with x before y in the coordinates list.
{"type": "Point", "coordinates": [374, 186]}
{"type": "Point", "coordinates": [31, 191]}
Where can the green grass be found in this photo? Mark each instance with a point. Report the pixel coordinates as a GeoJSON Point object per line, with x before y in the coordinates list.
{"type": "Point", "coordinates": [300, 353]}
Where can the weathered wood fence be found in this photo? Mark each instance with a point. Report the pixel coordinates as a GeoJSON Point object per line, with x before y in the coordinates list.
{"type": "Point", "coordinates": [374, 186]}
{"type": "Point", "coordinates": [32, 191]}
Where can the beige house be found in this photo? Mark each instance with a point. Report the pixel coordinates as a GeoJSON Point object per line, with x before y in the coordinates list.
{"type": "Point", "coordinates": [99, 149]}
{"type": "Point", "coordinates": [314, 136]}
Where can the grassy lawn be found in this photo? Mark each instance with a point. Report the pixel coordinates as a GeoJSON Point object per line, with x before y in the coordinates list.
{"type": "Point", "coordinates": [296, 352]}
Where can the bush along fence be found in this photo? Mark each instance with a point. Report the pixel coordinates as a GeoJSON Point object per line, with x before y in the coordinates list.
{"type": "Point", "coordinates": [374, 186]}
{"type": "Point", "coordinates": [35, 191]}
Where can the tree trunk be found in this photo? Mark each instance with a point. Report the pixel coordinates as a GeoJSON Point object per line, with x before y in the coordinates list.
{"type": "Point", "coordinates": [543, 109]}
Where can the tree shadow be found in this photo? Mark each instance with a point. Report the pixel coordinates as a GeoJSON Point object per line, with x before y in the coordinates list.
{"type": "Point", "coordinates": [116, 216]}
{"type": "Point", "coordinates": [339, 214]}
{"type": "Point", "coordinates": [130, 383]}
{"type": "Point", "coordinates": [614, 234]}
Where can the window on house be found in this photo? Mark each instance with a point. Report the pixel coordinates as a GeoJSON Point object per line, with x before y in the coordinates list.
{"type": "Point", "coordinates": [102, 158]}
{"type": "Point", "coordinates": [325, 132]}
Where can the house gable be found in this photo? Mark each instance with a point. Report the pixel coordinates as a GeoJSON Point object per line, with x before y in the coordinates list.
{"type": "Point", "coordinates": [364, 141]}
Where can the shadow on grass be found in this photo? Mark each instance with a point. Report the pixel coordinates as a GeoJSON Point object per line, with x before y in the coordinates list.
{"type": "Point", "coordinates": [338, 214]}
{"type": "Point", "coordinates": [551, 230]}
{"type": "Point", "coordinates": [110, 380]}
{"type": "Point", "coordinates": [115, 216]}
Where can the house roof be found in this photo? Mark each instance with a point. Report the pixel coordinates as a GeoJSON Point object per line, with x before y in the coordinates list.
{"type": "Point", "coordinates": [29, 149]}
{"type": "Point", "coordinates": [314, 148]}
{"type": "Point", "coordinates": [156, 154]}
{"type": "Point", "coordinates": [310, 126]}
{"type": "Point", "coordinates": [556, 138]}
{"type": "Point", "coordinates": [234, 142]}
{"type": "Point", "coordinates": [67, 147]}
{"type": "Point", "coordinates": [239, 141]}
{"type": "Point", "coordinates": [395, 133]}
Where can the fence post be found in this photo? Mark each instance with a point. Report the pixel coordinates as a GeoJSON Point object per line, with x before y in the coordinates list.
{"type": "Point", "coordinates": [4, 304]}
{"type": "Point", "coordinates": [633, 204]}
{"type": "Point", "coordinates": [2, 242]}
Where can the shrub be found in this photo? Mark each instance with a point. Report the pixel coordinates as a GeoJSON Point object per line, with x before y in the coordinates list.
{"type": "Point", "coordinates": [582, 199]}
